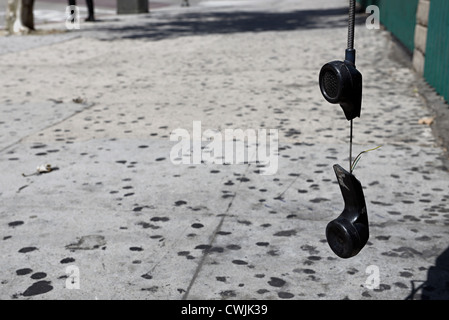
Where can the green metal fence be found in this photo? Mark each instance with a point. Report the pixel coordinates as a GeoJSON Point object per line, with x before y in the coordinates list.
{"type": "Point", "coordinates": [436, 69]}
{"type": "Point", "coordinates": [399, 17]}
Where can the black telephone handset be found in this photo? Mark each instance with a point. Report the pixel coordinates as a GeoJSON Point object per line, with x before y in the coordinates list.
{"type": "Point", "coordinates": [341, 83]}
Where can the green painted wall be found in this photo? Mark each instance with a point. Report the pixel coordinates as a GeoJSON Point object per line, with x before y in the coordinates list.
{"type": "Point", "coordinates": [436, 69]}
{"type": "Point", "coordinates": [399, 17]}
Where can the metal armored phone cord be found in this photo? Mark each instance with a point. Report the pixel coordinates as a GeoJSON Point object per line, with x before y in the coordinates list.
{"type": "Point", "coordinates": [351, 57]}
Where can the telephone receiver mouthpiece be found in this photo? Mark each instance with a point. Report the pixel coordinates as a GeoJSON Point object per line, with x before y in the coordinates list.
{"type": "Point", "coordinates": [349, 232]}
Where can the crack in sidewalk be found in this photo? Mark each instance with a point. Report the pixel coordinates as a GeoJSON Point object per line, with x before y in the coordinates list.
{"type": "Point", "coordinates": [214, 236]}
{"type": "Point", "coordinates": [87, 107]}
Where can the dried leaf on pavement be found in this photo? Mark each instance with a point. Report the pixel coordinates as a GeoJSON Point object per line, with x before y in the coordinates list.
{"type": "Point", "coordinates": [426, 120]}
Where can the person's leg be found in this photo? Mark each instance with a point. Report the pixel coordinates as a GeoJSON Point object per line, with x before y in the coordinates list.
{"type": "Point", "coordinates": [90, 10]}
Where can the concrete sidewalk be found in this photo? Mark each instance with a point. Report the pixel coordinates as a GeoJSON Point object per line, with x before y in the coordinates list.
{"type": "Point", "coordinates": [116, 215]}
{"type": "Point", "coordinates": [53, 11]}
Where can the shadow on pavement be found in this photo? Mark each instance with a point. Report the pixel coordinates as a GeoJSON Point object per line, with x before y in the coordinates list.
{"type": "Point", "coordinates": [436, 287]}
{"type": "Point", "coordinates": [219, 22]}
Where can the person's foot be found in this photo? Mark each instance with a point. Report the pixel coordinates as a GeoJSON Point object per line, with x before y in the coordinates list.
{"type": "Point", "coordinates": [90, 18]}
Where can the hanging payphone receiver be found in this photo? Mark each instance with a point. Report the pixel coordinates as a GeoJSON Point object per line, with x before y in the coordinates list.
{"type": "Point", "coordinates": [341, 83]}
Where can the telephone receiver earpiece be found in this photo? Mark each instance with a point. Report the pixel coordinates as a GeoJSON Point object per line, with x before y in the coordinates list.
{"type": "Point", "coordinates": [340, 82]}
{"type": "Point", "coordinates": [349, 232]}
